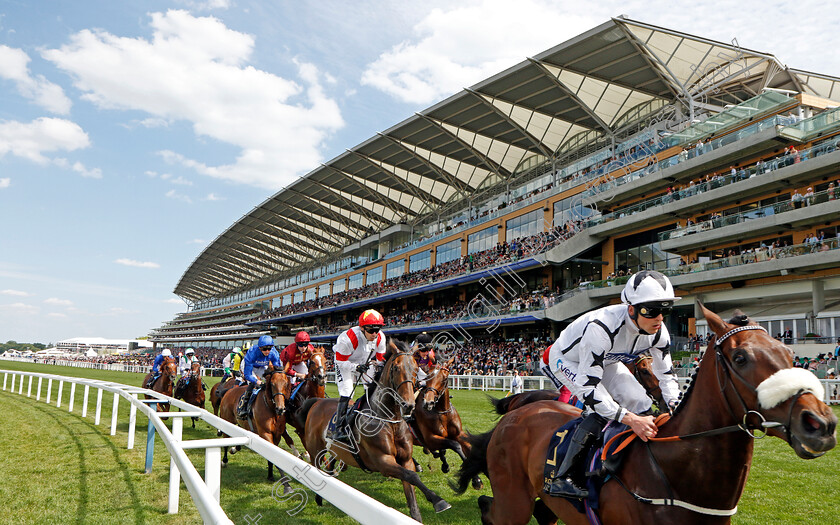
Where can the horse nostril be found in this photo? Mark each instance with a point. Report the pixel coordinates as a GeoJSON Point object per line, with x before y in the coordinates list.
{"type": "Point", "coordinates": [811, 423]}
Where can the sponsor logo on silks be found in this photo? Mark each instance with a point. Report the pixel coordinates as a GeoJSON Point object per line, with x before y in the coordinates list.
{"type": "Point", "coordinates": [622, 357]}
{"type": "Point", "coordinates": [565, 369]}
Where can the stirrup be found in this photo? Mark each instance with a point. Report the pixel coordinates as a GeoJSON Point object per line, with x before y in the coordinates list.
{"type": "Point", "coordinates": [565, 487]}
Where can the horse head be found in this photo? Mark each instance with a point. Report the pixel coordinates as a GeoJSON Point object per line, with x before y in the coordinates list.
{"type": "Point", "coordinates": [317, 367]}
{"type": "Point", "coordinates": [642, 369]}
{"type": "Point", "coordinates": [278, 388]}
{"type": "Point", "coordinates": [436, 384]}
{"type": "Point", "coordinates": [169, 368]}
{"type": "Point", "coordinates": [399, 375]}
{"type": "Point", "coordinates": [763, 390]}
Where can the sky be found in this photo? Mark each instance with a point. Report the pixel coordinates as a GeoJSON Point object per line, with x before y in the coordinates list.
{"type": "Point", "coordinates": [132, 134]}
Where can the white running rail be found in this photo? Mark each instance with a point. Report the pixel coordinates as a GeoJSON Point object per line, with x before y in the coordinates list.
{"type": "Point", "coordinates": [206, 492]}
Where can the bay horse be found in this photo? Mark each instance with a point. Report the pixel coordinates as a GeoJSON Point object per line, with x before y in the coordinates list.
{"type": "Point", "coordinates": [190, 388]}
{"type": "Point", "coordinates": [695, 469]}
{"type": "Point", "coordinates": [268, 419]}
{"type": "Point", "coordinates": [436, 424]}
{"type": "Point", "coordinates": [218, 391]}
{"type": "Point", "coordinates": [381, 440]}
{"type": "Point", "coordinates": [164, 383]}
{"type": "Point", "coordinates": [312, 387]}
{"type": "Point", "coordinates": [639, 367]}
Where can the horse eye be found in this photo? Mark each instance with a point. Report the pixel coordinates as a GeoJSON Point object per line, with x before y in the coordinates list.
{"type": "Point", "coordinates": [739, 359]}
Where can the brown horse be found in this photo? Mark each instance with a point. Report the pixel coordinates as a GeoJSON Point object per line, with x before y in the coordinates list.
{"type": "Point", "coordinates": [190, 388]}
{"type": "Point", "coordinates": [696, 468]}
{"type": "Point", "coordinates": [164, 383]}
{"type": "Point", "coordinates": [268, 419]}
{"type": "Point", "coordinates": [640, 367]}
{"type": "Point", "coordinates": [436, 424]}
{"type": "Point", "coordinates": [218, 391]}
{"type": "Point", "coordinates": [312, 387]}
{"type": "Point", "coordinates": [381, 439]}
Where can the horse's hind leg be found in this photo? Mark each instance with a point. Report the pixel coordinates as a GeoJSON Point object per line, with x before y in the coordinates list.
{"type": "Point", "coordinates": [514, 508]}
{"type": "Point", "coordinates": [543, 514]}
{"type": "Point", "coordinates": [411, 500]}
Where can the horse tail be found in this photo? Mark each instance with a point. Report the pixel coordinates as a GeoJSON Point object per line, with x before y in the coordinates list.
{"type": "Point", "coordinates": [502, 404]}
{"type": "Point", "coordinates": [476, 462]}
{"type": "Point", "coordinates": [303, 411]}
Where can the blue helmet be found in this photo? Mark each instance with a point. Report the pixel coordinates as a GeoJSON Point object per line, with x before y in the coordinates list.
{"type": "Point", "coordinates": [265, 340]}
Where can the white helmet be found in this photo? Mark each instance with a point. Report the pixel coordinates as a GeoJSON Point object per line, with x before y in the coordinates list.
{"type": "Point", "coordinates": [648, 286]}
{"type": "Point", "coordinates": [166, 352]}
{"type": "Point", "coordinates": [189, 351]}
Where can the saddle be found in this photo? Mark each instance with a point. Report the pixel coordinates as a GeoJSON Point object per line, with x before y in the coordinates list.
{"type": "Point", "coordinates": [247, 401]}
{"type": "Point", "coordinates": [598, 471]}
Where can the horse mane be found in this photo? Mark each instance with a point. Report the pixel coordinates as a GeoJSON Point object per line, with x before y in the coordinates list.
{"type": "Point", "coordinates": [739, 318]}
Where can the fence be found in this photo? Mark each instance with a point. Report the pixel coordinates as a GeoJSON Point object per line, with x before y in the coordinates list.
{"type": "Point", "coordinates": [204, 492]}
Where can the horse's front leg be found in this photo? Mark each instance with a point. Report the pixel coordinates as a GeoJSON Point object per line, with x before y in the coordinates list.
{"type": "Point", "coordinates": [388, 466]}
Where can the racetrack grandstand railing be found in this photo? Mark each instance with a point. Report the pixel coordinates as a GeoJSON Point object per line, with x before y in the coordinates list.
{"type": "Point", "coordinates": [204, 492]}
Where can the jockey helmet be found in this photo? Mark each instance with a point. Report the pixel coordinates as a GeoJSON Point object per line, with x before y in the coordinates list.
{"type": "Point", "coordinates": [370, 318]}
{"type": "Point", "coordinates": [166, 352]}
{"type": "Point", "coordinates": [265, 340]}
{"type": "Point", "coordinates": [189, 351]}
{"type": "Point", "coordinates": [237, 350]}
{"type": "Point", "coordinates": [302, 337]}
{"type": "Point", "coordinates": [423, 342]}
{"type": "Point", "coordinates": [648, 287]}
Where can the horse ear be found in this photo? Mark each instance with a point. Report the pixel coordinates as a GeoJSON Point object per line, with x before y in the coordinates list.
{"type": "Point", "coordinates": [717, 324]}
{"type": "Point", "coordinates": [391, 348]}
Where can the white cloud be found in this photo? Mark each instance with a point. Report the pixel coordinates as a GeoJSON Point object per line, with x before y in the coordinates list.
{"type": "Point", "coordinates": [56, 314]}
{"type": "Point", "coordinates": [20, 308]}
{"type": "Point", "coordinates": [174, 301]}
{"type": "Point", "coordinates": [58, 302]}
{"type": "Point", "coordinates": [94, 173]}
{"type": "Point", "coordinates": [197, 70]}
{"type": "Point", "coordinates": [137, 264]}
{"type": "Point", "coordinates": [181, 181]}
{"type": "Point", "coordinates": [15, 292]}
{"type": "Point", "coordinates": [33, 140]}
{"type": "Point", "coordinates": [213, 197]}
{"type": "Point", "coordinates": [14, 66]}
{"type": "Point", "coordinates": [5, 183]}
{"type": "Point", "coordinates": [172, 194]}
{"type": "Point", "coordinates": [154, 123]}
{"type": "Point", "coordinates": [206, 5]}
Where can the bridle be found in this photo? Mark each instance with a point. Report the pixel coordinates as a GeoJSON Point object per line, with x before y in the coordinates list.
{"type": "Point", "coordinates": [411, 380]}
{"type": "Point", "coordinates": [439, 393]}
{"type": "Point", "coordinates": [273, 395]}
{"type": "Point", "coordinates": [314, 370]}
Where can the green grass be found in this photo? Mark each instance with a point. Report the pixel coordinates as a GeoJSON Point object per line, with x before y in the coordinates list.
{"type": "Point", "coordinates": [60, 468]}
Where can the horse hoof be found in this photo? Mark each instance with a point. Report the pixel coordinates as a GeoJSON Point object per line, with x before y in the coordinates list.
{"type": "Point", "coordinates": [418, 468]}
{"type": "Point", "coordinates": [477, 484]}
{"type": "Point", "coordinates": [484, 503]}
{"type": "Point", "coordinates": [319, 500]}
{"type": "Point", "coordinates": [218, 432]}
{"type": "Point", "coordinates": [445, 468]}
{"type": "Point", "coordinates": [224, 464]}
{"type": "Point", "coordinates": [287, 489]}
{"type": "Point", "coordinates": [442, 505]}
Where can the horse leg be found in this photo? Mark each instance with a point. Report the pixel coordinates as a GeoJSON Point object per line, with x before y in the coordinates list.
{"type": "Point", "coordinates": [291, 444]}
{"type": "Point", "coordinates": [444, 467]}
{"type": "Point", "coordinates": [224, 459]}
{"type": "Point", "coordinates": [389, 467]}
{"type": "Point", "coordinates": [515, 508]}
{"type": "Point", "coordinates": [543, 514]}
{"type": "Point", "coordinates": [456, 446]}
{"type": "Point", "coordinates": [417, 467]}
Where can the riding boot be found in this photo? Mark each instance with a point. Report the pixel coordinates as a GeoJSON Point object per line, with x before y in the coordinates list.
{"type": "Point", "coordinates": [341, 431]}
{"type": "Point", "coordinates": [563, 483]}
{"type": "Point", "coordinates": [245, 402]}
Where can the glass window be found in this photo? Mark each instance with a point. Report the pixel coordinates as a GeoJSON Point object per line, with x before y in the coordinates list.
{"type": "Point", "coordinates": [571, 209]}
{"type": "Point", "coordinates": [524, 225]}
{"type": "Point", "coordinates": [448, 252]}
{"type": "Point", "coordinates": [310, 293]}
{"type": "Point", "coordinates": [483, 240]}
{"type": "Point", "coordinates": [287, 299]}
{"type": "Point", "coordinates": [419, 261]}
{"type": "Point", "coordinates": [324, 290]}
{"type": "Point", "coordinates": [298, 297]}
{"type": "Point", "coordinates": [277, 301]}
{"type": "Point", "coordinates": [395, 269]}
{"type": "Point", "coordinates": [374, 275]}
{"type": "Point", "coordinates": [355, 281]}
{"type": "Point", "coordinates": [338, 286]}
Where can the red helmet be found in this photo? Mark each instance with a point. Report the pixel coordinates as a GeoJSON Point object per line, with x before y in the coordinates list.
{"type": "Point", "coordinates": [371, 317]}
{"type": "Point", "coordinates": [302, 337]}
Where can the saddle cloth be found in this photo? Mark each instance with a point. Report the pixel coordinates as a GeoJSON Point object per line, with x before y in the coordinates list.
{"type": "Point", "coordinates": [596, 473]}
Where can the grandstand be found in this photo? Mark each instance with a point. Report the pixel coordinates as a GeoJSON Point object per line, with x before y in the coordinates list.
{"type": "Point", "coordinates": [505, 211]}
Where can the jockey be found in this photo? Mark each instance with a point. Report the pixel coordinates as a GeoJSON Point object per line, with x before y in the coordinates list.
{"type": "Point", "coordinates": [294, 357]}
{"type": "Point", "coordinates": [354, 350]}
{"type": "Point", "coordinates": [256, 361]}
{"type": "Point", "coordinates": [185, 363]}
{"type": "Point", "coordinates": [424, 356]}
{"type": "Point", "coordinates": [156, 365]}
{"type": "Point", "coordinates": [228, 362]}
{"type": "Point", "coordinates": [586, 359]}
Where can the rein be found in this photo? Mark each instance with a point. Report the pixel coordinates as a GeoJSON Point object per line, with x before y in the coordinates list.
{"type": "Point", "coordinates": [395, 389]}
{"type": "Point", "coordinates": [439, 393]}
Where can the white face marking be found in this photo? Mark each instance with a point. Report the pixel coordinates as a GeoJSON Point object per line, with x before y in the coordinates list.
{"type": "Point", "coordinates": [784, 384]}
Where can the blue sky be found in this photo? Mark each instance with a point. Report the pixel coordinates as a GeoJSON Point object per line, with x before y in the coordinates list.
{"type": "Point", "coordinates": [133, 133]}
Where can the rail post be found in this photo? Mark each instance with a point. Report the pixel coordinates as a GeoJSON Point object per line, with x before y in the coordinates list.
{"type": "Point", "coordinates": [29, 387]}
{"type": "Point", "coordinates": [60, 391]}
{"type": "Point", "coordinates": [49, 389]}
{"type": "Point", "coordinates": [150, 446]}
{"type": "Point", "coordinates": [37, 395]}
{"type": "Point", "coordinates": [174, 473]}
{"type": "Point", "coordinates": [96, 418]}
{"type": "Point", "coordinates": [5, 378]}
{"type": "Point", "coordinates": [72, 396]}
{"type": "Point", "coordinates": [213, 471]}
{"type": "Point", "coordinates": [13, 383]}
{"type": "Point", "coordinates": [114, 413]}
{"type": "Point", "coordinates": [85, 401]}
{"type": "Point", "coordinates": [20, 388]}
{"type": "Point", "coordinates": [132, 423]}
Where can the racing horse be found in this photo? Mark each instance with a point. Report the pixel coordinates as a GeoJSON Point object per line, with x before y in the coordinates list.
{"type": "Point", "coordinates": [695, 469]}
{"type": "Point", "coordinates": [218, 391]}
{"type": "Point", "coordinates": [164, 383]}
{"type": "Point", "coordinates": [268, 415]}
{"type": "Point", "coordinates": [190, 388]}
{"type": "Point", "coordinates": [436, 424]}
{"type": "Point", "coordinates": [384, 442]}
{"type": "Point", "coordinates": [640, 367]}
{"type": "Point", "coordinates": [312, 387]}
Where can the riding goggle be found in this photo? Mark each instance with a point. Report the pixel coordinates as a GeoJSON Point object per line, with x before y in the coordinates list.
{"type": "Point", "coordinates": [652, 312]}
{"type": "Point", "coordinates": [372, 329]}
{"type": "Point", "coordinates": [303, 345]}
